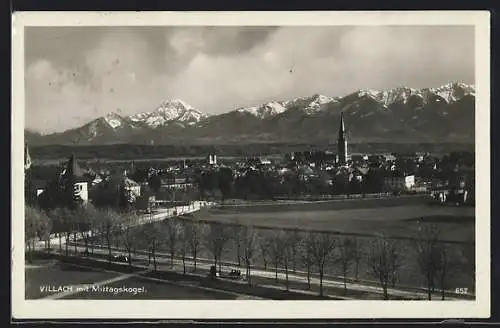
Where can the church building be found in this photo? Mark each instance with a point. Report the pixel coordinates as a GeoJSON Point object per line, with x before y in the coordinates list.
{"type": "Point", "coordinates": [342, 143]}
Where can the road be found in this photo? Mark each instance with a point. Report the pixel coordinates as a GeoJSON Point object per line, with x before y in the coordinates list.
{"type": "Point", "coordinates": [54, 280]}
{"type": "Point", "coordinates": [333, 287]}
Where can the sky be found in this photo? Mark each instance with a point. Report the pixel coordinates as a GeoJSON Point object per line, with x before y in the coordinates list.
{"type": "Point", "coordinates": [76, 74]}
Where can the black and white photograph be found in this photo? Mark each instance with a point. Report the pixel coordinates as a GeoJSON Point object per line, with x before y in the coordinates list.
{"type": "Point", "coordinates": [228, 164]}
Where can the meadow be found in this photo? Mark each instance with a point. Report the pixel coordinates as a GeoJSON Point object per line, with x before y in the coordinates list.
{"type": "Point", "coordinates": [364, 223]}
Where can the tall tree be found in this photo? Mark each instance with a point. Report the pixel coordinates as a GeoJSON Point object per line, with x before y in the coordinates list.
{"type": "Point", "coordinates": [249, 245]}
{"type": "Point", "coordinates": [127, 226]}
{"type": "Point", "coordinates": [217, 238]}
{"type": "Point", "coordinates": [275, 250]}
{"type": "Point", "coordinates": [383, 259]}
{"type": "Point", "coordinates": [357, 255]}
{"type": "Point", "coordinates": [345, 258]}
{"type": "Point", "coordinates": [322, 245]}
{"type": "Point", "coordinates": [306, 255]}
{"type": "Point", "coordinates": [194, 236]}
{"type": "Point", "coordinates": [428, 254]}
{"type": "Point", "coordinates": [171, 228]}
{"type": "Point", "coordinates": [294, 238]}
{"type": "Point", "coordinates": [109, 226]}
{"type": "Point", "coordinates": [31, 223]}
{"type": "Point", "coordinates": [153, 237]}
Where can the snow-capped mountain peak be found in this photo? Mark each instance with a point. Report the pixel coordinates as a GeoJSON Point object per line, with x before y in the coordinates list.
{"type": "Point", "coordinates": [265, 110]}
{"type": "Point", "coordinates": [113, 120]}
{"type": "Point", "coordinates": [173, 110]}
{"type": "Point", "coordinates": [450, 92]}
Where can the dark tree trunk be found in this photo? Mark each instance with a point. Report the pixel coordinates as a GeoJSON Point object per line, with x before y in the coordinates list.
{"type": "Point", "coordinates": [429, 287]}
{"type": "Point", "coordinates": [286, 275]}
{"type": "Point", "coordinates": [108, 241]}
{"type": "Point", "coordinates": [386, 295]}
{"type": "Point", "coordinates": [194, 260]}
{"type": "Point", "coordinates": [248, 273]}
{"type": "Point", "coordinates": [129, 256]}
{"type": "Point", "coordinates": [67, 243]}
{"type": "Point", "coordinates": [60, 242]}
{"type": "Point", "coordinates": [276, 271]}
{"type": "Point", "coordinates": [154, 256]}
{"type": "Point", "coordinates": [321, 281]}
{"type": "Point", "coordinates": [238, 254]}
{"type": "Point", "coordinates": [74, 240]}
{"type": "Point", "coordinates": [30, 254]}
{"type": "Point", "coordinates": [309, 276]}
{"type": "Point", "coordinates": [184, 264]}
{"type": "Point", "coordinates": [86, 239]}
{"type": "Point", "coordinates": [345, 282]}
{"type": "Point", "coordinates": [356, 271]}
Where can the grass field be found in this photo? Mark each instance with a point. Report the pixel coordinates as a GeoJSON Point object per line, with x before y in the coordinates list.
{"type": "Point", "coordinates": [395, 218]}
{"type": "Point", "coordinates": [400, 221]}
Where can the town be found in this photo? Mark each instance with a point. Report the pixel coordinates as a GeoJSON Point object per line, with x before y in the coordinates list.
{"type": "Point", "coordinates": [178, 210]}
{"type": "Point", "coordinates": [308, 175]}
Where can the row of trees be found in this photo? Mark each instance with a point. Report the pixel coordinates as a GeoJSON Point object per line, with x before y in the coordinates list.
{"type": "Point", "coordinates": [281, 250]}
{"type": "Point", "coordinates": [268, 184]}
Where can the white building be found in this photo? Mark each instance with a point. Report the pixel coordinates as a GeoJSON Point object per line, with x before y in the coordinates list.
{"type": "Point", "coordinates": [399, 182]}
{"type": "Point", "coordinates": [80, 189]}
{"type": "Point", "coordinates": [212, 159]}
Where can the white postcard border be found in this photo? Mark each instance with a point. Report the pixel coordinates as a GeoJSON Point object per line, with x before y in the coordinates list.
{"type": "Point", "coordinates": [249, 309]}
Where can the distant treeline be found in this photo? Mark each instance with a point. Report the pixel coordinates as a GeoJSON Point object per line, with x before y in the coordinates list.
{"type": "Point", "coordinates": [130, 151]}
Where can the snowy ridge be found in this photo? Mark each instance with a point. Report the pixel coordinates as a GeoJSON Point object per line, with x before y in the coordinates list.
{"type": "Point", "coordinates": [266, 110]}
{"type": "Point", "coordinates": [450, 92]}
{"type": "Point", "coordinates": [174, 110]}
{"type": "Point", "coordinates": [114, 120]}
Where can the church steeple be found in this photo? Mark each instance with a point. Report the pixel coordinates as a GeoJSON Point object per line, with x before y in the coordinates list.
{"type": "Point", "coordinates": [342, 142]}
{"type": "Point", "coordinates": [27, 158]}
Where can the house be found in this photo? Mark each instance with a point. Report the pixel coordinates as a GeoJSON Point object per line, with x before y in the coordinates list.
{"type": "Point", "coordinates": [73, 174]}
{"type": "Point", "coordinates": [131, 188]}
{"type": "Point", "coordinates": [399, 181]}
{"type": "Point", "coordinates": [171, 181]}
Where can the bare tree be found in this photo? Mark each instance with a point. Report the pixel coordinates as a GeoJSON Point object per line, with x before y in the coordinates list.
{"type": "Point", "coordinates": [110, 223]}
{"type": "Point", "coordinates": [468, 252]}
{"type": "Point", "coordinates": [249, 245]}
{"type": "Point", "coordinates": [184, 242]}
{"type": "Point", "coordinates": [171, 230]}
{"type": "Point", "coordinates": [306, 256]}
{"type": "Point", "coordinates": [127, 230]}
{"type": "Point", "coordinates": [294, 241]}
{"type": "Point", "coordinates": [193, 234]}
{"type": "Point", "coordinates": [444, 268]}
{"type": "Point", "coordinates": [45, 226]}
{"type": "Point", "coordinates": [31, 223]}
{"type": "Point", "coordinates": [85, 216]}
{"type": "Point", "coordinates": [217, 238]}
{"type": "Point", "coordinates": [345, 258]}
{"type": "Point", "coordinates": [383, 260]}
{"type": "Point", "coordinates": [428, 254]}
{"type": "Point", "coordinates": [264, 248]}
{"type": "Point", "coordinates": [322, 245]}
{"type": "Point", "coordinates": [152, 234]}
{"type": "Point", "coordinates": [275, 250]}
{"type": "Point", "coordinates": [66, 220]}
{"type": "Point", "coordinates": [357, 255]}
{"type": "Point", "coordinates": [237, 232]}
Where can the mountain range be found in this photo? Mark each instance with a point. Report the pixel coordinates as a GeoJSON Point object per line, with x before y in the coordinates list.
{"type": "Point", "coordinates": [400, 115]}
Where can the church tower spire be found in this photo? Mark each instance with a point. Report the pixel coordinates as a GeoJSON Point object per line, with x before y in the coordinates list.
{"type": "Point", "coordinates": [342, 142]}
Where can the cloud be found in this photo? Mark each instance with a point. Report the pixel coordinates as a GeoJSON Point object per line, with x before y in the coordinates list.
{"type": "Point", "coordinates": [76, 74]}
